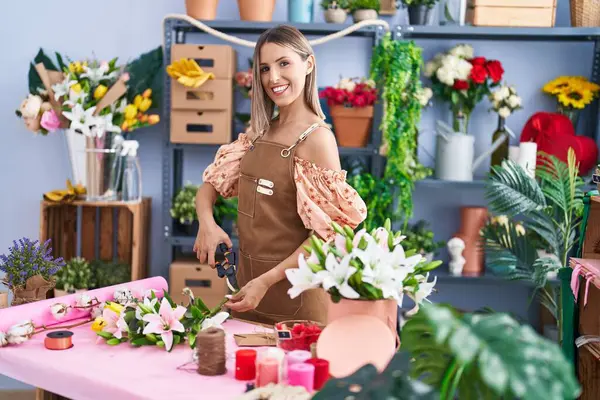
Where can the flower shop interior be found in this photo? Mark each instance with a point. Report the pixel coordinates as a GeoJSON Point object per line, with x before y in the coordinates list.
{"type": "Point", "coordinates": [469, 128]}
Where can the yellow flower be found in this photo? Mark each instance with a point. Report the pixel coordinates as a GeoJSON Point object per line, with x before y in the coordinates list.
{"type": "Point", "coordinates": [557, 85]}
{"type": "Point", "coordinates": [520, 230]}
{"type": "Point", "coordinates": [153, 119]}
{"type": "Point", "coordinates": [100, 92]}
{"type": "Point", "coordinates": [137, 100]}
{"type": "Point", "coordinates": [131, 111]}
{"type": "Point", "coordinates": [145, 104]}
{"type": "Point", "coordinates": [76, 88]}
{"type": "Point", "coordinates": [576, 97]}
{"type": "Point", "coordinates": [116, 307]}
{"type": "Point", "coordinates": [147, 93]}
{"type": "Point", "coordinates": [125, 126]}
{"type": "Point", "coordinates": [99, 324]}
{"type": "Point", "coordinates": [500, 220]}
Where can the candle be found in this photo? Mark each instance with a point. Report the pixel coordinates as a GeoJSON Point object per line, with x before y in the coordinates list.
{"type": "Point", "coordinates": [302, 374]}
{"type": "Point", "coordinates": [245, 364]}
{"type": "Point", "coordinates": [321, 371]}
{"type": "Point", "coordinates": [278, 354]}
{"type": "Point", "coordinates": [297, 357]}
{"type": "Point", "coordinates": [513, 154]}
{"type": "Point", "coordinates": [527, 157]}
{"type": "Point", "coordinates": [267, 372]}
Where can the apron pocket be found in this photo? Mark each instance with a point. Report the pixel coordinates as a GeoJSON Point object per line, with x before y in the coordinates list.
{"type": "Point", "coordinates": [277, 302]}
{"type": "Point", "coordinates": [247, 195]}
{"type": "Point", "coordinates": [243, 273]}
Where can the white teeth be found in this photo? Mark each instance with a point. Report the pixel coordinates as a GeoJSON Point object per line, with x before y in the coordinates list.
{"type": "Point", "coordinates": [279, 89]}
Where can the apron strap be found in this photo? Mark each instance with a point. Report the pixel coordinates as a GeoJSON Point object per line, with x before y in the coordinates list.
{"type": "Point", "coordinates": [286, 152]}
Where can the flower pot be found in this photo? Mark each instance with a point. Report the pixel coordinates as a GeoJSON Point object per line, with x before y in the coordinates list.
{"type": "Point", "coordinates": [363, 15]}
{"type": "Point", "coordinates": [36, 288]}
{"type": "Point", "coordinates": [472, 220]}
{"type": "Point", "coordinates": [256, 10]}
{"type": "Point", "coordinates": [300, 11]}
{"type": "Point", "coordinates": [335, 16]}
{"type": "Point", "coordinates": [3, 299]}
{"type": "Point", "coordinates": [352, 125]}
{"type": "Point", "coordinates": [201, 9]}
{"type": "Point", "coordinates": [385, 310]}
{"type": "Point", "coordinates": [419, 15]}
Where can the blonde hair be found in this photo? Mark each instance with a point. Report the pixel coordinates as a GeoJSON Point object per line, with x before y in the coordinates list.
{"type": "Point", "coordinates": [262, 106]}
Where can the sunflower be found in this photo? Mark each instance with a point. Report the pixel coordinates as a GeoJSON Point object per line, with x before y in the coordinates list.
{"type": "Point", "coordinates": [559, 84]}
{"type": "Point", "coordinates": [576, 96]}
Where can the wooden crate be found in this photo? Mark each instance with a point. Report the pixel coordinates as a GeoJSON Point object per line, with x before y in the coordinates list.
{"type": "Point", "coordinates": [591, 242]}
{"type": "Point", "coordinates": [108, 231]}
{"type": "Point", "coordinates": [588, 371]}
{"type": "Point", "coordinates": [528, 13]}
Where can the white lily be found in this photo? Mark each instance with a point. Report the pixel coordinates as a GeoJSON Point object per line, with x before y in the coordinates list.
{"type": "Point", "coordinates": [383, 277]}
{"type": "Point", "coordinates": [104, 124]}
{"type": "Point", "coordinates": [336, 274]}
{"type": "Point", "coordinates": [81, 120]}
{"type": "Point", "coordinates": [425, 288]}
{"type": "Point", "coordinates": [76, 97]}
{"type": "Point", "coordinates": [59, 310]}
{"type": "Point", "coordinates": [3, 339]}
{"type": "Point", "coordinates": [62, 88]}
{"type": "Point", "coordinates": [302, 278]}
{"type": "Point", "coordinates": [98, 74]}
{"type": "Point", "coordinates": [215, 322]}
{"type": "Point", "coordinates": [147, 303]}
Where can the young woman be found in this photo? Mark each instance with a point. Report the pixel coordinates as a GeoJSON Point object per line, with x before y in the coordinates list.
{"type": "Point", "coordinates": [287, 176]}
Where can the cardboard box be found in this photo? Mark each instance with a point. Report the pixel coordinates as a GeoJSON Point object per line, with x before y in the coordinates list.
{"type": "Point", "coordinates": [214, 94]}
{"type": "Point", "coordinates": [218, 59]}
{"type": "Point", "coordinates": [525, 13]}
{"type": "Point", "coordinates": [201, 279]}
{"type": "Point", "coordinates": [201, 127]}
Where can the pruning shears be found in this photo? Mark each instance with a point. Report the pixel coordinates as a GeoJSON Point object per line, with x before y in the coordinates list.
{"type": "Point", "coordinates": [228, 267]}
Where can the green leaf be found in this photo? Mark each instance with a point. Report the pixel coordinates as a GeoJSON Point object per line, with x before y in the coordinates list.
{"type": "Point", "coordinates": [105, 335]}
{"type": "Point", "coordinates": [201, 306]}
{"type": "Point", "coordinates": [196, 313]}
{"type": "Point", "coordinates": [113, 341]}
{"type": "Point", "coordinates": [169, 299]}
{"type": "Point", "coordinates": [142, 342]}
{"type": "Point", "coordinates": [192, 339]}
{"type": "Point", "coordinates": [486, 356]}
{"type": "Point", "coordinates": [510, 191]}
{"type": "Point", "coordinates": [152, 337]}
{"type": "Point", "coordinates": [146, 72]}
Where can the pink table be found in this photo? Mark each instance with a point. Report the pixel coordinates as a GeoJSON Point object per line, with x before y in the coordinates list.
{"type": "Point", "coordinates": [98, 371]}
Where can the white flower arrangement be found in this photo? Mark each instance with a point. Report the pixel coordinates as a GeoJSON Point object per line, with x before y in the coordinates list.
{"type": "Point", "coordinates": [505, 100]}
{"type": "Point", "coordinates": [363, 266]}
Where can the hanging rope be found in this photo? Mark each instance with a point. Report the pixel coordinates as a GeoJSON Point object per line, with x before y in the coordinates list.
{"type": "Point", "coordinates": [248, 43]}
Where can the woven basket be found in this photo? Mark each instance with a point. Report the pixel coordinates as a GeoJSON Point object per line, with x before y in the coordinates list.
{"type": "Point", "coordinates": [585, 13]}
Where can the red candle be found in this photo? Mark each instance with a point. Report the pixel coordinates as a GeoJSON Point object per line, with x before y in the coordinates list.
{"type": "Point", "coordinates": [267, 372]}
{"type": "Point", "coordinates": [245, 364]}
{"type": "Point", "coordinates": [321, 371]}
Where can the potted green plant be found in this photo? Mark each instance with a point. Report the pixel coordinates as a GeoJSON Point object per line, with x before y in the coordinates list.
{"type": "Point", "coordinates": [419, 11]}
{"type": "Point", "coordinates": [109, 273]}
{"type": "Point", "coordinates": [335, 11]}
{"type": "Point", "coordinates": [420, 238]}
{"type": "Point", "coordinates": [362, 10]}
{"type": "Point", "coordinates": [75, 276]}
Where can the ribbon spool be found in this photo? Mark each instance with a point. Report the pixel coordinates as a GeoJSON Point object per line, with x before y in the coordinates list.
{"type": "Point", "coordinates": [59, 340]}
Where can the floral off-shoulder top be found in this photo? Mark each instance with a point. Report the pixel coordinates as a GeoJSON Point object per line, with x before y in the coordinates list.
{"type": "Point", "coordinates": [323, 195]}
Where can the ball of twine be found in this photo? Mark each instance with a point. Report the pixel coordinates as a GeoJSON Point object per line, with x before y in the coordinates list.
{"type": "Point", "coordinates": [210, 352]}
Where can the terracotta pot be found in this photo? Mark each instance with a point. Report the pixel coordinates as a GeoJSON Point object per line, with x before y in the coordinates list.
{"type": "Point", "coordinates": [385, 310]}
{"type": "Point", "coordinates": [201, 9]}
{"type": "Point", "coordinates": [256, 10]}
{"type": "Point", "coordinates": [473, 219]}
{"type": "Point", "coordinates": [3, 299]}
{"type": "Point", "coordinates": [352, 125]}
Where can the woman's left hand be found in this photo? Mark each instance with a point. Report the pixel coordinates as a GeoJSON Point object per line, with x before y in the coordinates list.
{"type": "Point", "coordinates": [249, 296]}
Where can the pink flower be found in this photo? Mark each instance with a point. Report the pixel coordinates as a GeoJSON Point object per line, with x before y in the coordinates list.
{"type": "Point", "coordinates": [115, 323]}
{"type": "Point", "coordinates": [165, 322]}
{"type": "Point", "coordinates": [50, 121]}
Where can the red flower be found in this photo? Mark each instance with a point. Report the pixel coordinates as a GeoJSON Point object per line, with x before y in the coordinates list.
{"type": "Point", "coordinates": [359, 101]}
{"type": "Point", "coordinates": [478, 61]}
{"type": "Point", "coordinates": [460, 85]}
{"type": "Point", "coordinates": [495, 70]}
{"type": "Point", "coordinates": [478, 74]}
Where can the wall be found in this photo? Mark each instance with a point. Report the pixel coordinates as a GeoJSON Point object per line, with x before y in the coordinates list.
{"type": "Point", "coordinates": [32, 165]}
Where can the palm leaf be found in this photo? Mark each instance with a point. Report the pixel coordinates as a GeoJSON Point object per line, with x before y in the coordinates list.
{"type": "Point", "coordinates": [507, 252]}
{"type": "Point", "coordinates": [510, 191]}
{"type": "Point", "coordinates": [546, 227]}
{"type": "Point", "coordinates": [498, 357]}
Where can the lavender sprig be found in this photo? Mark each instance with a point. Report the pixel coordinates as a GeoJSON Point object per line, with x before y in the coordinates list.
{"type": "Point", "coordinates": [27, 258]}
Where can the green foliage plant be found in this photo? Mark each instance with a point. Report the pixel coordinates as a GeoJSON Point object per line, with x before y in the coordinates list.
{"type": "Point", "coordinates": [184, 206]}
{"type": "Point", "coordinates": [420, 238]}
{"type": "Point", "coordinates": [335, 4]}
{"type": "Point", "coordinates": [75, 275]}
{"type": "Point", "coordinates": [354, 5]}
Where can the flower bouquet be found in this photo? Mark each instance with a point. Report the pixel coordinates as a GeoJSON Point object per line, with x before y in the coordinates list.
{"type": "Point", "coordinates": [572, 94]}
{"type": "Point", "coordinates": [363, 266]}
{"type": "Point", "coordinates": [29, 269]}
{"type": "Point", "coordinates": [505, 101]}
{"type": "Point", "coordinates": [463, 80]}
{"type": "Point", "coordinates": [351, 103]}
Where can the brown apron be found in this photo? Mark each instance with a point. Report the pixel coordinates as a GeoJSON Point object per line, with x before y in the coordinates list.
{"type": "Point", "coordinates": [270, 230]}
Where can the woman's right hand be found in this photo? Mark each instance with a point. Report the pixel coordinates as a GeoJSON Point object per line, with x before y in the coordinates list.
{"type": "Point", "coordinates": [210, 235]}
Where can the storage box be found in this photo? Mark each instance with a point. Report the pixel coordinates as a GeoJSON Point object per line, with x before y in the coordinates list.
{"type": "Point", "coordinates": [528, 13]}
{"type": "Point", "coordinates": [201, 127]}
{"type": "Point", "coordinates": [201, 279]}
{"type": "Point", "coordinates": [214, 94]}
{"type": "Point", "coordinates": [218, 59]}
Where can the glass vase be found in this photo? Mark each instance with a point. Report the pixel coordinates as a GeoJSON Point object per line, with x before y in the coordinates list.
{"type": "Point", "coordinates": [501, 153]}
{"type": "Point", "coordinates": [460, 121]}
{"type": "Point", "coordinates": [570, 113]}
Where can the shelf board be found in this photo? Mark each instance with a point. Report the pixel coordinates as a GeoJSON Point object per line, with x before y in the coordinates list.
{"type": "Point", "coordinates": [86, 203]}
{"type": "Point", "coordinates": [254, 27]}
{"type": "Point", "coordinates": [498, 33]}
{"type": "Point", "coordinates": [488, 278]}
{"type": "Point", "coordinates": [440, 183]}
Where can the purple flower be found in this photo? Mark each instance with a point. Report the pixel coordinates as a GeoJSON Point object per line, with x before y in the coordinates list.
{"type": "Point", "coordinates": [27, 258]}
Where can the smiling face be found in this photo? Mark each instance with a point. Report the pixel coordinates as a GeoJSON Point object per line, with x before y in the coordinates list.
{"type": "Point", "coordinates": [283, 73]}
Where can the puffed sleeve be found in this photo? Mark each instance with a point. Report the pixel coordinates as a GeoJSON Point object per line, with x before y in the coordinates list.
{"type": "Point", "coordinates": [224, 171]}
{"type": "Point", "coordinates": [325, 196]}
